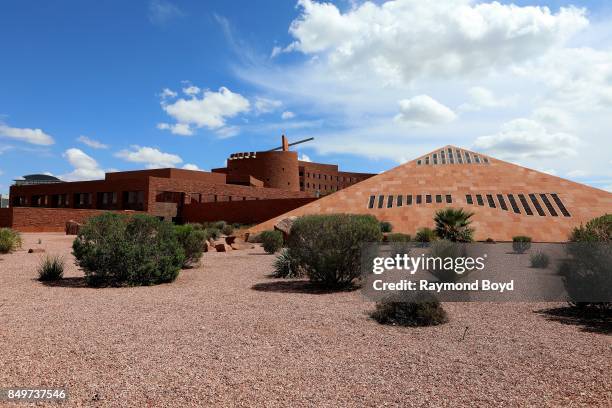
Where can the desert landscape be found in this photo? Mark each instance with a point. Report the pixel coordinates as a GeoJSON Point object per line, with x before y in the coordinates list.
{"type": "Point", "coordinates": [225, 333]}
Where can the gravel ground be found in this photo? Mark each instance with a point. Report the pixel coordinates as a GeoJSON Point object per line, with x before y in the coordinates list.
{"type": "Point", "coordinates": [210, 338]}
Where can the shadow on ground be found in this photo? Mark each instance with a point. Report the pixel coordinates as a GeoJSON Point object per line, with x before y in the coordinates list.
{"type": "Point", "coordinates": [593, 322]}
{"type": "Point", "coordinates": [297, 286]}
{"type": "Point", "coordinates": [73, 282]}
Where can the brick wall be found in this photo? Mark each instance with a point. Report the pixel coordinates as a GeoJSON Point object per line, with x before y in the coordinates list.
{"type": "Point", "coordinates": [6, 216]}
{"type": "Point", "coordinates": [244, 212]}
{"type": "Point", "coordinates": [32, 219]}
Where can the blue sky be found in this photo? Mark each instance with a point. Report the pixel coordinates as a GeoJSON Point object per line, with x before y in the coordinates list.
{"type": "Point", "coordinates": [88, 86]}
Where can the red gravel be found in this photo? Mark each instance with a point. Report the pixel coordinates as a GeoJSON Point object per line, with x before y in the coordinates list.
{"type": "Point", "coordinates": [209, 338]}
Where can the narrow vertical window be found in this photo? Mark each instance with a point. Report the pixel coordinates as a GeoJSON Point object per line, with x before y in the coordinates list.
{"type": "Point", "coordinates": [409, 199]}
{"type": "Point", "coordinates": [390, 201]}
{"type": "Point", "coordinates": [468, 199]}
{"type": "Point", "coordinates": [459, 159]}
{"type": "Point", "coordinates": [449, 199]}
{"type": "Point", "coordinates": [560, 205]}
{"type": "Point", "coordinates": [513, 203]}
{"type": "Point", "coordinates": [549, 205]}
{"type": "Point", "coordinates": [381, 200]}
{"type": "Point", "coordinates": [467, 158]}
{"type": "Point", "coordinates": [490, 201]}
{"type": "Point", "coordinates": [479, 199]}
{"type": "Point", "coordinates": [525, 204]}
{"type": "Point", "coordinates": [427, 160]}
{"type": "Point", "coordinates": [502, 202]}
{"type": "Point", "coordinates": [537, 205]}
{"type": "Point", "coordinates": [371, 202]}
{"type": "Point", "coordinates": [438, 198]}
{"type": "Point", "coordinates": [418, 199]}
{"type": "Point", "coordinates": [428, 198]}
{"type": "Point", "coordinates": [400, 200]}
{"type": "Point", "coordinates": [418, 162]}
{"type": "Point", "coordinates": [477, 159]}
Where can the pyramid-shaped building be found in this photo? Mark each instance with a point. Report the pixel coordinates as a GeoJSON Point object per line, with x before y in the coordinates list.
{"type": "Point", "coordinates": [506, 199]}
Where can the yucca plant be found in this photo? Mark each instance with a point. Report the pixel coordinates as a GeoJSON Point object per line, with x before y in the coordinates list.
{"type": "Point", "coordinates": [454, 225]}
{"type": "Point", "coordinates": [51, 268]}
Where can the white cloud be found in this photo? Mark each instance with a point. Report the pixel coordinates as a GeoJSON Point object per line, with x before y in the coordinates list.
{"type": "Point", "coordinates": [85, 167]}
{"type": "Point", "coordinates": [305, 158]}
{"type": "Point", "coordinates": [191, 166]}
{"type": "Point", "coordinates": [210, 111]}
{"type": "Point", "coordinates": [577, 173]}
{"type": "Point", "coordinates": [161, 12]}
{"type": "Point", "coordinates": [266, 105]}
{"type": "Point", "coordinates": [91, 142]}
{"type": "Point", "coordinates": [33, 136]}
{"type": "Point", "coordinates": [287, 115]}
{"type": "Point", "coordinates": [191, 90]}
{"type": "Point", "coordinates": [182, 129]}
{"type": "Point", "coordinates": [480, 97]}
{"type": "Point", "coordinates": [423, 110]}
{"type": "Point", "coordinates": [276, 51]}
{"type": "Point", "coordinates": [150, 156]}
{"type": "Point", "coordinates": [526, 138]}
{"type": "Point", "coordinates": [227, 132]}
{"type": "Point", "coordinates": [168, 93]}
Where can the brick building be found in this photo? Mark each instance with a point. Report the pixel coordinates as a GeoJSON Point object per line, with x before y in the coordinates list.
{"type": "Point", "coordinates": [234, 194]}
{"type": "Point", "coordinates": [507, 200]}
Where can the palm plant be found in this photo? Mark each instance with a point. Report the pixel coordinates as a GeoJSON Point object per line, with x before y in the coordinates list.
{"type": "Point", "coordinates": [454, 225]}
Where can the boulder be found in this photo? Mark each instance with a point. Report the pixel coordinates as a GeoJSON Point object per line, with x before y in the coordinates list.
{"type": "Point", "coordinates": [285, 225]}
{"type": "Point", "coordinates": [36, 251]}
{"type": "Point", "coordinates": [229, 240]}
{"type": "Point", "coordinates": [241, 246]}
{"type": "Point", "coordinates": [208, 247]}
{"type": "Point", "coordinates": [72, 227]}
{"type": "Point", "coordinates": [223, 247]}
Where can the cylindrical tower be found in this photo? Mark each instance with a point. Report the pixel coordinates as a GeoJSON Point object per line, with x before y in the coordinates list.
{"type": "Point", "coordinates": [277, 169]}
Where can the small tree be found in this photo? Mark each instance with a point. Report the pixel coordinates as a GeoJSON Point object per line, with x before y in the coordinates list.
{"type": "Point", "coordinates": [454, 225]}
{"type": "Point", "coordinates": [521, 244]}
{"type": "Point", "coordinates": [539, 260]}
{"type": "Point", "coordinates": [272, 241]}
{"type": "Point", "coordinates": [192, 241]}
{"type": "Point", "coordinates": [386, 227]}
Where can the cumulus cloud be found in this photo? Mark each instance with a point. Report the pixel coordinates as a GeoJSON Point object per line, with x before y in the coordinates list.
{"type": "Point", "coordinates": [167, 93]}
{"type": "Point", "coordinates": [305, 158]}
{"type": "Point", "coordinates": [161, 12]}
{"type": "Point", "coordinates": [526, 138]}
{"type": "Point", "coordinates": [287, 115]}
{"type": "Point", "coordinates": [266, 105]}
{"type": "Point", "coordinates": [150, 156]}
{"type": "Point", "coordinates": [191, 90]}
{"type": "Point", "coordinates": [191, 166]}
{"type": "Point", "coordinates": [33, 136]}
{"type": "Point", "coordinates": [423, 110]}
{"type": "Point", "coordinates": [85, 166]}
{"type": "Point", "coordinates": [211, 111]}
{"type": "Point", "coordinates": [483, 98]}
{"type": "Point", "coordinates": [91, 142]}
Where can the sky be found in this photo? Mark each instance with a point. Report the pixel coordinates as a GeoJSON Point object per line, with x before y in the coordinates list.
{"type": "Point", "coordinates": [88, 87]}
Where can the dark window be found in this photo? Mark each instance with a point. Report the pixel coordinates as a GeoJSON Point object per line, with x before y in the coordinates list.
{"type": "Point", "coordinates": [560, 205]}
{"type": "Point", "coordinates": [515, 207]}
{"type": "Point", "coordinates": [468, 199]}
{"type": "Point", "coordinates": [449, 199]}
{"type": "Point", "coordinates": [371, 202]}
{"type": "Point", "coordinates": [427, 160]}
{"type": "Point", "coordinates": [400, 200]}
{"type": "Point", "coordinates": [390, 201]}
{"type": "Point", "coordinates": [459, 159]}
{"type": "Point", "coordinates": [451, 160]}
{"type": "Point", "coordinates": [537, 205]}
{"type": "Point", "coordinates": [438, 198]}
{"type": "Point", "coordinates": [467, 158]}
{"type": "Point", "coordinates": [381, 200]}
{"type": "Point", "coordinates": [490, 201]}
{"type": "Point", "coordinates": [428, 198]}
{"type": "Point", "coordinates": [418, 199]}
{"type": "Point", "coordinates": [418, 162]}
{"type": "Point", "coordinates": [485, 160]}
{"type": "Point", "coordinates": [525, 204]}
{"type": "Point", "coordinates": [548, 205]}
{"type": "Point", "coordinates": [502, 202]}
{"type": "Point", "coordinates": [409, 199]}
{"type": "Point", "coordinates": [479, 199]}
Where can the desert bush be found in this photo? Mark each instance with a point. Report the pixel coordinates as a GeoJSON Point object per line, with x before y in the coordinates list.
{"type": "Point", "coordinates": [386, 226]}
{"type": "Point", "coordinates": [454, 225]}
{"type": "Point", "coordinates": [539, 260]}
{"type": "Point", "coordinates": [397, 310]}
{"type": "Point", "coordinates": [521, 243]}
{"type": "Point", "coordinates": [272, 241]}
{"type": "Point", "coordinates": [286, 266]}
{"type": "Point", "coordinates": [424, 235]}
{"type": "Point", "coordinates": [192, 241]}
{"type": "Point", "coordinates": [328, 247]}
{"type": "Point", "coordinates": [586, 271]}
{"type": "Point", "coordinates": [444, 250]}
{"type": "Point", "coordinates": [115, 249]}
{"type": "Point", "coordinates": [398, 237]}
{"type": "Point", "coordinates": [227, 229]}
{"type": "Point", "coordinates": [51, 268]}
{"type": "Point", "coordinates": [10, 240]}
{"type": "Point", "coordinates": [212, 233]}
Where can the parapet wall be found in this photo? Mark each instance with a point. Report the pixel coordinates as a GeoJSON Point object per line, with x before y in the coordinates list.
{"type": "Point", "coordinates": [277, 169]}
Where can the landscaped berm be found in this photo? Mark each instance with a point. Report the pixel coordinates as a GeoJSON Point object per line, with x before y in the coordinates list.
{"type": "Point", "coordinates": [225, 333]}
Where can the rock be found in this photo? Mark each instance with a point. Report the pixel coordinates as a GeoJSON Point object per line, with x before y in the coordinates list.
{"type": "Point", "coordinates": [223, 247]}
{"type": "Point", "coordinates": [241, 246]}
{"type": "Point", "coordinates": [208, 247]}
{"type": "Point", "coordinates": [229, 240]}
{"type": "Point", "coordinates": [72, 227]}
{"type": "Point", "coordinates": [35, 251]}
{"type": "Point", "coordinates": [285, 225]}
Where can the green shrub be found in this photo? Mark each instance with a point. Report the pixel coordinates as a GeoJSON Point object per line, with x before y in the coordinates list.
{"type": "Point", "coordinates": [386, 226]}
{"type": "Point", "coordinates": [454, 225]}
{"type": "Point", "coordinates": [398, 237]}
{"type": "Point", "coordinates": [272, 241]}
{"type": "Point", "coordinates": [328, 247]}
{"type": "Point", "coordinates": [9, 240]}
{"type": "Point", "coordinates": [586, 271]}
{"type": "Point", "coordinates": [521, 243]}
{"type": "Point", "coordinates": [51, 268]}
{"type": "Point", "coordinates": [396, 310]}
{"type": "Point", "coordinates": [192, 241]}
{"type": "Point", "coordinates": [539, 260]}
{"type": "Point", "coordinates": [115, 249]}
{"type": "Point", "coordinates": [424, 235]}
{"type": "Point", "coordinates": [227, 229]}
{"type": "Point", "coordinates": [212, 233]}
{"type": "Point", "coordinates": [443, 250]}
{"type": "Point", "coordinates": [286, 266]}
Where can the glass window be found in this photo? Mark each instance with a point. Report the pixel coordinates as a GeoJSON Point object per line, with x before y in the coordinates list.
{"type": "Point", "coordinates": [400, 199]}
{"type": "Point", "coordinates": [418, 199]}
{"type": "Point", "coordinates": [449, 199]}
{"type": "Point", "coordinates": [502, 202]}
{"type": "Point", "coordinates": [476, 159]}
{"type": "Point", "coordinates": [427, 160]}
{"type": "Point", "coordinates": [537, 205]}
{"type": "Point", "coordinates": [560, 205]}
{"type": "Point", "coordinates": [479, 199]}
{"type": "Point", "coordinates": [390, 201]}
{"type": "Point", "coordinates": [549, 205]}
{"type": "Point", "coordinates": [438, 198]}
{"type": "Point", "coordinates": [418, 162]}
{"type": "Point", "coordinates": [428, 198]}
{"type": "Point", "coordinates": [381, 200]}
{"type": "Point", "coordinates": [409, 199]}
{"type": "Point", "coordinates": [371, 202]}
{"type": "Point", "coordinates": [467, 158]}
{"type": "Point", "coordinates": [525, 204]}
{"type": "Point", "coordinates": [468, 199]}
{"type": "Point", "coordinates": [515, 207]}
{"type": "Point", "coordinates": [490, 201]}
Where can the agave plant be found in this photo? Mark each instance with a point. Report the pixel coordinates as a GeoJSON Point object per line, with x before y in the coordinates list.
{"type": "Point", "coordinates": [454, 225]}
